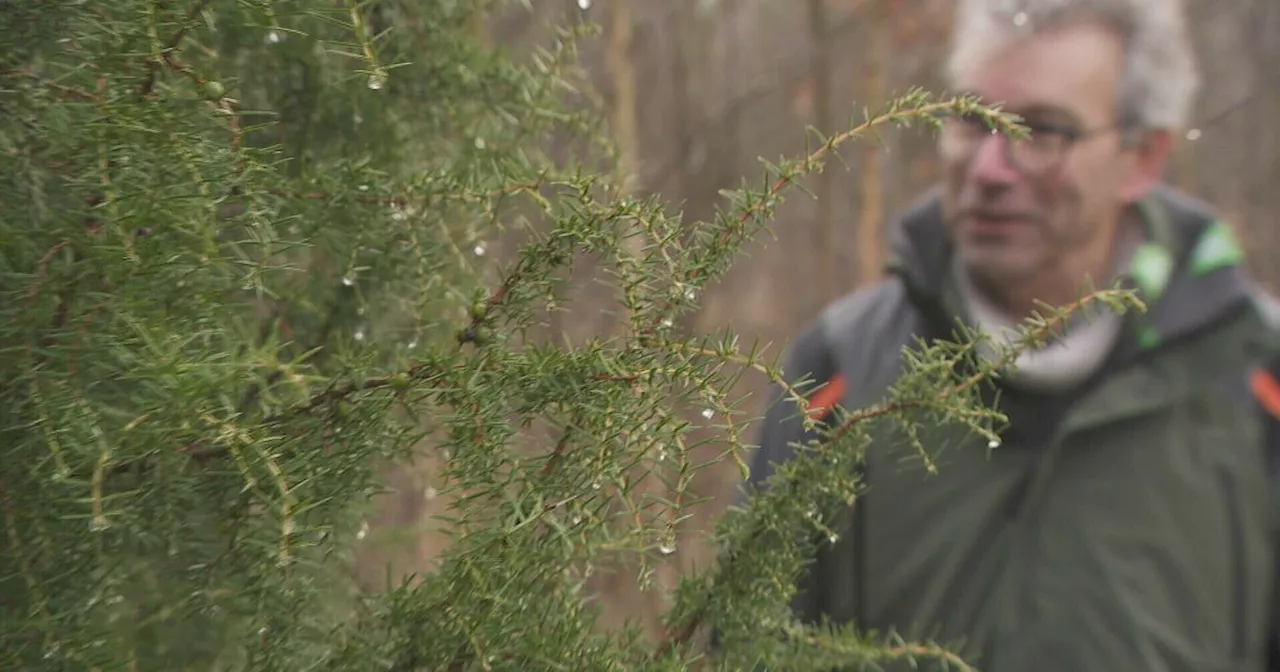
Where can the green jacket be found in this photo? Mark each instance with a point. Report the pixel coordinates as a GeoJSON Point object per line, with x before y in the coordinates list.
{"type": "Point", "coordinates": [1124, 527]}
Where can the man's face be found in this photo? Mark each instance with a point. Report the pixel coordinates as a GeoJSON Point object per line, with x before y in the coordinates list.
{"type": "Point", "coordinates": [1017, 225]}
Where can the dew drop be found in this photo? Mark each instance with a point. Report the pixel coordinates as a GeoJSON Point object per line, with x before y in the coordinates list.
{"type": "Point", "coordinates": [1020, 19]}
{"type": "Point", "coordinates": [377, 80]}
{"type": "Point", "coordinates": [1193, 134]}
{"type": "Point", "coordinates": [359, 335]}
{"type": "Point", "coordinates": [364, 530]}
{"type": "Point", "coordinates": [348, 280]}
{"type": "Point", "coordinates": [411, 344]}
{"type": "Point", "coordinates": [690, 294]}
{"type": "Point", "coordinates": [667, 547]}
{"type": "Point", "coordinates": [273, 37]}
{"type": "Point", "coordinates": [708, 413]}
{"type": "Point", "coordinates": [833, 538]}
{"type": "Point", "coordinates": [596, 485]}
{"type": "Point", "coordinates": [99, 524]}
{"type": "Point", "coordinates": [479, 250]}
{"type": "Point", "coordinates": [993, 444]}
{"type": "Point", "coordinates": [480, 144]}
{"type": "Point", "coordinates": [577, 520]}
{"type": "Point", "coordinates": [430, 493]}
{"type": "Point", "coordinates": [584, 4]}
{"type": "Point", "coordinates": [667, 322]}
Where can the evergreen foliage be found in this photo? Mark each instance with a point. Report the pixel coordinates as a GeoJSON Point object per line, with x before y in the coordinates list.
{"type": "Point", "coordinates": [240, 255]}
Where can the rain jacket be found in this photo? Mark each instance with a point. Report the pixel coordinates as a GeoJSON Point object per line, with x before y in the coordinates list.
{"type": "Point", "coordinates": [1126, 526]}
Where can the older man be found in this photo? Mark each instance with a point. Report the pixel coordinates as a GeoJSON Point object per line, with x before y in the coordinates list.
{"type": "Point", "coordinates": [1125, 522]}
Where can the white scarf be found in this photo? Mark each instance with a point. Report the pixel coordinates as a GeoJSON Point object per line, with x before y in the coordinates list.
{"type": "Point", "coordinates": [1063, 361]}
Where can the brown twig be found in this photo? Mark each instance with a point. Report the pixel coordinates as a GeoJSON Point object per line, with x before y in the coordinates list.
{"type": "Point", "coordinates": [42, 266]}
{"type": "Point", "coordinates": [153, 65]}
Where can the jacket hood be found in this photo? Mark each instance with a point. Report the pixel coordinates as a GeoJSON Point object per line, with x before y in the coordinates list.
{"type": "Point", "coordinates": [1187, 271]}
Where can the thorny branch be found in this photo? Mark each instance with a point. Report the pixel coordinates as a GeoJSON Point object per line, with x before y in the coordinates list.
{"type": "Point", "coordinates": [762, 206]}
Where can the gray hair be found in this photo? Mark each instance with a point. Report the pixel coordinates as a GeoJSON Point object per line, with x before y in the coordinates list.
{"type": "Point", "coordinates": [1160, 74]}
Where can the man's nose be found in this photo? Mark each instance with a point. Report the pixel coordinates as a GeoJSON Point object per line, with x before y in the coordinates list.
{"type": "Point", "coordinates": [991, 161]}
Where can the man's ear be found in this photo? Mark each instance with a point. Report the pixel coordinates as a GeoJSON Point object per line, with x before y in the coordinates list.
{"type": "Point", "coordinates": [1150, 156]}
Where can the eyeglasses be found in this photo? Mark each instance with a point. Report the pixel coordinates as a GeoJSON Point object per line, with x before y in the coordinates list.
{"type": "Point", "coordinates": [1043, 147]}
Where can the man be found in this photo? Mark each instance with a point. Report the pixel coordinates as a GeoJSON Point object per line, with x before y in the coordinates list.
{"type": "Point", "coordinates": [1124, 523]}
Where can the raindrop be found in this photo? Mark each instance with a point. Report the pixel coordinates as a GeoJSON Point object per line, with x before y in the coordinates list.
{"type": "Point", "coordinates": [1193, 134]}
{"type": "Point", "coordinates": [479, 250]}
{"type": "Point", "coordinates": [708, 413]}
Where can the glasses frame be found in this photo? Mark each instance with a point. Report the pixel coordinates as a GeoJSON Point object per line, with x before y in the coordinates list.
{"type": "Point", "coordinates": [1054, 142]}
